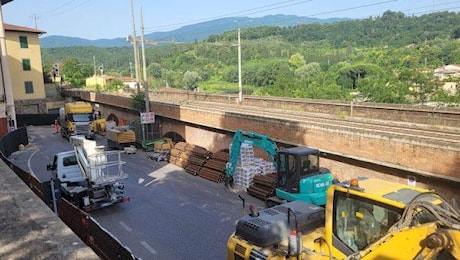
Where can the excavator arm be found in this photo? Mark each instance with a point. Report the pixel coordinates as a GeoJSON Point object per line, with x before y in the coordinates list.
{"type": "Point", "coordinates": [258, 140]}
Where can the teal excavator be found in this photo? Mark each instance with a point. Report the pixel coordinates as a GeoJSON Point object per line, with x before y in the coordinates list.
{"type": "Point", "coordinates": [299, 176]}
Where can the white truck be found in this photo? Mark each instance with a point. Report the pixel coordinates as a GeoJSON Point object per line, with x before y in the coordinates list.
{"type": "Point", "coordinates": [89, 177]}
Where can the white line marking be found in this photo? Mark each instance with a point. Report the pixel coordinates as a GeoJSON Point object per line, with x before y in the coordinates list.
{"type": "Point", "coordinates": [123, 224]}
{"type": "Point", "coordinates": [148, 183]}
{"type": "Point", "coordinates": [148, 247]}
{"type": "Point", "coordinates": [29, 164]}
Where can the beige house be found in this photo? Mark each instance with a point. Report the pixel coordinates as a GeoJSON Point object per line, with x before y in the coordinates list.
{"type": "Point", "coordinates": [25, 63]}
{"type": "Point", "coordinates": [98, 80]}
{"type": "Point", "coordinates": [104, 80]}
{"type": "Point", "coordinates": [450, 76]}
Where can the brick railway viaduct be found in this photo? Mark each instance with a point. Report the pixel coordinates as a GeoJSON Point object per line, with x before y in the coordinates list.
{"type": "Point", "coordinates": [347, 154]}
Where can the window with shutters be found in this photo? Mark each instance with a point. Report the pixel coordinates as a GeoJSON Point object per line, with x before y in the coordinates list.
{"type": "Point", "coordinates": [23, 42]}
{"type": "Point", "coordinates": [29, 87]}
{"type": "Point", "coordinates": [26, 64]}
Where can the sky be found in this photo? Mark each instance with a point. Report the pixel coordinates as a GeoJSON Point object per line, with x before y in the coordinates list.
{"type": "Point", "coordinates": [108, 19]}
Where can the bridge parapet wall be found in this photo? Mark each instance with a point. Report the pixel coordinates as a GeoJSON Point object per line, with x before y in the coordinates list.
{"type": "Point", "coordinates": [211, 129]}
{"type": "Point", "coordinates": [437, 116]}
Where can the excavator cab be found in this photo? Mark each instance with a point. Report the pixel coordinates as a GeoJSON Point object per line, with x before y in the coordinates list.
{"type": "Point", "coordinates": [300, 176]}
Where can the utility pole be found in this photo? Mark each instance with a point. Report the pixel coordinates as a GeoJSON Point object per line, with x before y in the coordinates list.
{"type": "Point", "coordinates": [240, 83]}
{"type": "Point", "coordinates": [94, 65]}
{"type": "Point", "coordinates": [144, 72]}
{"type": "Point", "coordinates": [136, 55]}
{"type": "Point", "coordinates": [144, 67]}
{"type": "Point", "coordinates": [131, 69]}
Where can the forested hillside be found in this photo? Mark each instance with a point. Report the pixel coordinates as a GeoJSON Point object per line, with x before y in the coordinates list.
{"type": "Point", "coordinates": [390, 58]}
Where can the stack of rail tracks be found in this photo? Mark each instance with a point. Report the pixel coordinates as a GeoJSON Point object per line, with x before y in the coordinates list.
{"type": "Point", "coordinates": [263, 187]}
{"type": "Point", "coordinates": [189, 156]}
{"type": "Point", "coordinates": [214, 168]}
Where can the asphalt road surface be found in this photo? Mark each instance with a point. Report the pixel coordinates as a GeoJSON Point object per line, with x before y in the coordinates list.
{"type": "Point", "coordinates": [171, 215]}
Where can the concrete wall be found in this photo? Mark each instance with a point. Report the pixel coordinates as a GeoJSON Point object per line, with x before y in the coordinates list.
{"type": "Point", "coordinates": [29, 229]}
{"type": "Point", "coordinates": [436, 116]}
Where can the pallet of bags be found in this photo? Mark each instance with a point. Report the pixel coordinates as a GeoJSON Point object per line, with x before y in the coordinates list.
{"type": "Point", "coordinates": [244, 175]}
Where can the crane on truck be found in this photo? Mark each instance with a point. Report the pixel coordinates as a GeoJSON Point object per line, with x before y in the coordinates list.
{"type": "Point", "coordinates": [89, 177]}
{"type": "Point", "coordinates": [299, 174]}
{"type": "Point", "coordinates": [364, 218]}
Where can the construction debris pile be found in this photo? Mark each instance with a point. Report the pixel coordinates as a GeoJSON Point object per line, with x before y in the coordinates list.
{"type": "Point", "coordinates": [214, 168]}
{"type": "Point", "coordinates": [249, 167]}
{"type": "Point", "coordinates": [159, 156]}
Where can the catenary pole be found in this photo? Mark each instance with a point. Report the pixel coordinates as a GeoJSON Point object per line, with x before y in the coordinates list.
{"type": "Point", "coordinates": [144, 67]}
{"type": "Point", "coordinates": [240, 83]}
{"type": "Point", "coordinates": [136, 55]}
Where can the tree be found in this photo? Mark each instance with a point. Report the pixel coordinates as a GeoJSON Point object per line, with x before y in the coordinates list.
{"type": "Point", "coordinates": [296, 61]}
{"type": "Point", "coordinates": [114, 85]}
{"type": "Point", "coordinates": [155, 70]}
{"type": "Point", "coordinates": [455, 33]}
{"type": "Point", "coordinates": [308, 70]}
{"type": "Point", "coordinates": [349, 76]}
{"type": "Point", "coordinates": [74, 72]}
{"type": "Point", "coordinates": [138, 102]}
{"type": "Point", "coordinates": [190, 80]}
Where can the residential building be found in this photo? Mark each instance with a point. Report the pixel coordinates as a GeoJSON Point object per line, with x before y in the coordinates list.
{"type": "Point", "coordinates": [104, 80]}
{"type": "Point", "coordinates": [25, 66]}
{"type": "Point", "coordinates": [450, 76]}
{"type": "Point", "coordinates": [98, 80]}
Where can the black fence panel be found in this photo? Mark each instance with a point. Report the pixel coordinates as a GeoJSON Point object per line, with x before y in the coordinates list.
{"type": "Point", "coordinates": [11, 141]}
{"type": "Point", "coordinates": [75, 219]}
{"type": "Point", "coordinates": [47, 193]}
{"type": "Point", "coordinates": [36, 119]}
{"type": "Point", "coordinates": [25, 176]}
{"type": "Point", "coordinates": [105, 245]}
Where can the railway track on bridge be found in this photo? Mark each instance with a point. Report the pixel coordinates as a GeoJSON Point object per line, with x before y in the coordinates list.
{"type": "Point", "coordinates": [417, 132]}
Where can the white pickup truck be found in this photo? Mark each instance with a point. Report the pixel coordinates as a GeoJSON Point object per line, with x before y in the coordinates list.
{"type": "Point", "coordinates": [90, 177]}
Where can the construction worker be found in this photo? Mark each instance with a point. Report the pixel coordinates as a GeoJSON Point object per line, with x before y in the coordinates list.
{"type": "Point", "coordinates": [56, 126]}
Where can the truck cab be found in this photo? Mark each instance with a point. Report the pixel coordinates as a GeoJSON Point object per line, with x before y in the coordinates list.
{"type": "Point", "coordinates": [300, 176]}
{"type": "Point", "coordinates": [67, 169]}
{"type": "Point", "coordinates": [76, 118]}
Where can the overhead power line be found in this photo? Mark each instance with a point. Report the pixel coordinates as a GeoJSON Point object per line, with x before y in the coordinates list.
{"type": "Point", "coordinates": [64, 8]}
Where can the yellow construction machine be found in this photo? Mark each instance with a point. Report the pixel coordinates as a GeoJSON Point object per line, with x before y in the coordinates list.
{"type": "Point", "coordinates": [364, 218]}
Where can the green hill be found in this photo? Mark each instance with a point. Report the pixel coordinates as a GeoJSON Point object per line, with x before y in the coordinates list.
{"type": "Point", "coordinates": [189, 33]}
{"type": "Point", "coordinates": [389, 58]}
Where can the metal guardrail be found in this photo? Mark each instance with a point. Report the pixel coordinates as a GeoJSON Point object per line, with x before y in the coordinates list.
{"type": "Point", "coordinates": [104, 244]}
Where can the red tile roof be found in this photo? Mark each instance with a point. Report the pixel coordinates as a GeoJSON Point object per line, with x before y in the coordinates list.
{"type": "Point", "coordinates": [16, 28]}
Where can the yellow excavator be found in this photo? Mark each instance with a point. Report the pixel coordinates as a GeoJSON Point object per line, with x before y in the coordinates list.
{"type": "Point", "coordinates": [364, 218]}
